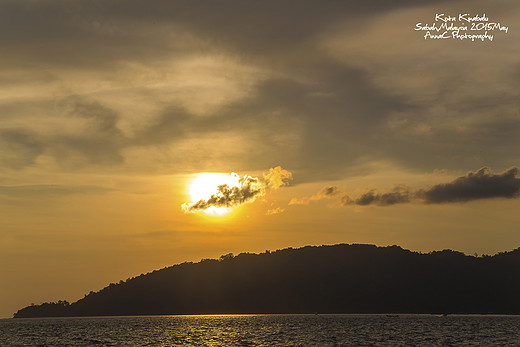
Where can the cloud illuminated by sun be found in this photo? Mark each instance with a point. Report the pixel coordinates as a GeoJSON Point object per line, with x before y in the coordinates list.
{"type": "Point", "coordinates": [218, 194]}
{"type": "Point", "coordinates": [204, 185]}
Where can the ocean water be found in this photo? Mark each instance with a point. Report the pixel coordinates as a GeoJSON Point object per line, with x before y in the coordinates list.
{"type": "Point", "coordinates": [264, 330]}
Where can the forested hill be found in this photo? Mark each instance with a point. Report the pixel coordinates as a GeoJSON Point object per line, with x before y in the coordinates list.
{"type": "Point", "coordinates": [326, 279]}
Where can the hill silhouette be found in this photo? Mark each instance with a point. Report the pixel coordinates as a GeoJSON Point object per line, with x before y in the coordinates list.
{"type": "Point", "coordinates": [325, 279]}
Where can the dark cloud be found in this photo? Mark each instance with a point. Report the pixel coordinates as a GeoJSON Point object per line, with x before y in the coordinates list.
{"type": "Point", "coordinates": [481, 184]}
{"type": "Point", "coordinates": [456, 149]}
{"type": "Point", "coordinates": [399, 195]}
{"type": "Point", "coordinates": [247, 190]}
{"type": "Point", "coordinates": [94, 34]}
{"type": "Point", "coordinates": [323, 117]}
{"type": "Point", "coordinates": [101, 119]}
{"type": "Point", "coordinates": [329, 191]}
{"type": "Point", "coordinates": [100, 143]}
{"type": "Point", "coordinates": [19, 148]}
{"type": "Point", "coordinates": [330, 118]}
{"type": "Point", "coordinates": [173, 124]}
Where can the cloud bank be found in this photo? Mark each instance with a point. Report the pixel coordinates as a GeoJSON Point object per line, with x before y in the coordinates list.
{"type": "Point", "coordinates": [477, 185]}
{"type": "Point", "coordinates": [481, 184]}
{"type": "Point", "coordinates": [334, 95]}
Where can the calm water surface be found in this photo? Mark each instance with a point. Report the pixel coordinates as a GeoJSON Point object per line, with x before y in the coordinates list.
{"type": "Point", "coordinates": [264, 330]}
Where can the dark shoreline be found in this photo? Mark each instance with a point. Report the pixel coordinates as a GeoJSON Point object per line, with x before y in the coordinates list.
{"type": "Point", "coordinates": [223, 315]}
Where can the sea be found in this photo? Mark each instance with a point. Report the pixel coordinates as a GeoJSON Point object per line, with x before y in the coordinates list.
{"type": "Point", "coordinates": [264, 330]}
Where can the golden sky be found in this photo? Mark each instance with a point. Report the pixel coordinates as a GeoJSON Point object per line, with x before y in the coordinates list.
{"type": "Point", "coordinates": [323, 122]}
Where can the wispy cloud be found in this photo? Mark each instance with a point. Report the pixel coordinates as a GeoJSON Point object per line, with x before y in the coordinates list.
{"type": "Point", "coordinates": [327, 192]}
{"type": "Point", "coordinates": [276, 210]}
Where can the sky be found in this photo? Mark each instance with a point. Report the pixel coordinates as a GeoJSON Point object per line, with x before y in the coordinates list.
{"type": "Point", "coordinates": [137, 135]}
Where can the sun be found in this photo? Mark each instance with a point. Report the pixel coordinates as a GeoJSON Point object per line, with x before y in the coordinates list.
{"type": "Point", "coordinates": [204, 185]}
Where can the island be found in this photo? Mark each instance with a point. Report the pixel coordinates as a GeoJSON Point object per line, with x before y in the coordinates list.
{"type": "Point", "coordinates": [339, 278]}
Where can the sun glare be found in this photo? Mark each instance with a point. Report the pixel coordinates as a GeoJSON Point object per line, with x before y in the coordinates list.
{"type": "Point", "coordinates": [203, 185]}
